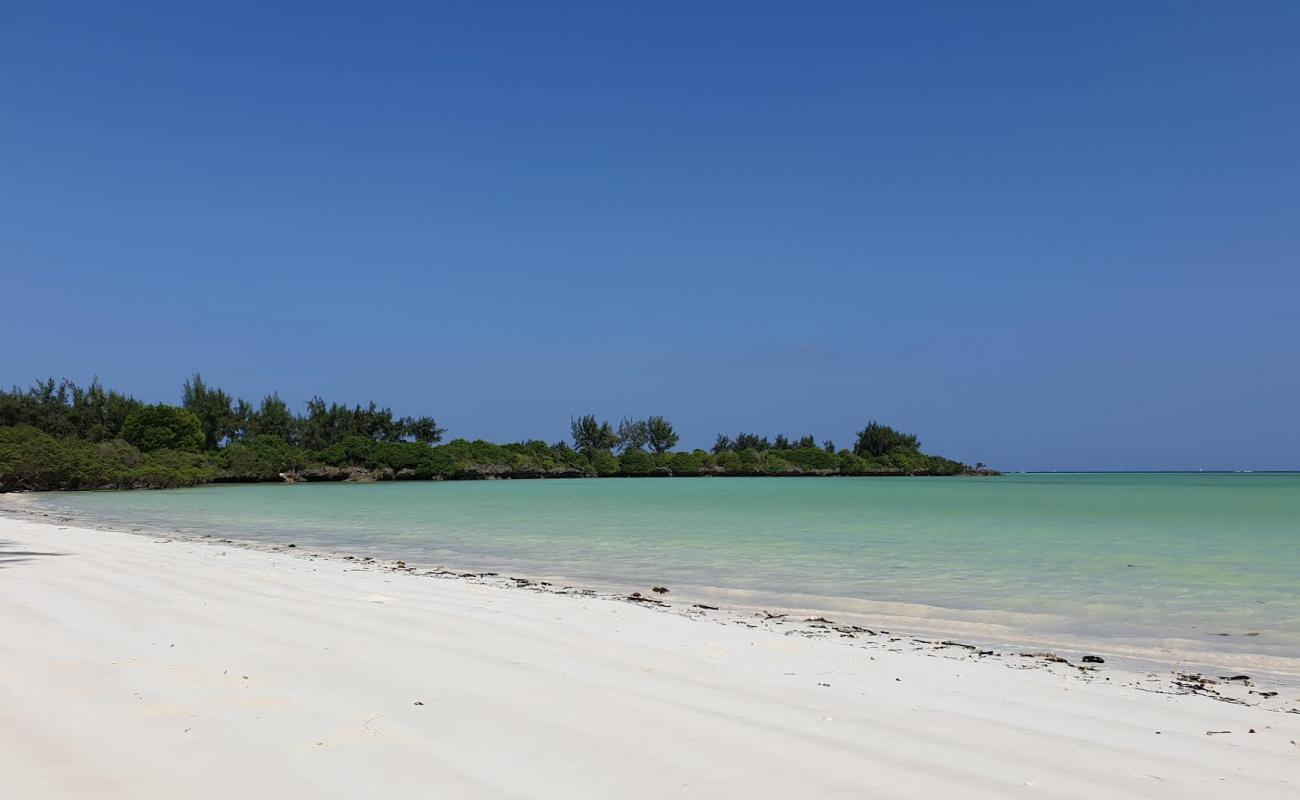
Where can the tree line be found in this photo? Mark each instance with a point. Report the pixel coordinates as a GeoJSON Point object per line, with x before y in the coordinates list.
{"type": "Point", "coordinates": [58, 435]}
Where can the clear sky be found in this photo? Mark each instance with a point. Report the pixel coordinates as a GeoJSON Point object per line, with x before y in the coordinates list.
{"type": "Point", "coordinates": [1040, 235]}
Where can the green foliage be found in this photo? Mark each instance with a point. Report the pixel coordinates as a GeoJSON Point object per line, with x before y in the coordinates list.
{"type": "Point", "coordinates": [31, 459]}
{"type": "Point", "coordinates": [604, 463]}
{"type": "Point", "coordinates": [212, 409]}
{"type": "Point", "coordinates": [64, 409]}
{"type": "Point", "coordinates": [802, 443]}
{"type": "Point", "coordinates": [258, 458]}
{"type": "Point", "coordinates": [168, 469]}
{"type": "Point", "coordinates": [660, 434]}
{"type": "Point", "coordinates": [420, 429]}
{"type": "Point", "coordinates": [729, 461]}
{"type": "Point", "coordinates": [327, 425]}
{"type": "Point", "coordinates": [851, 464]}
{"type": "Point", "coordinates": [637, 462]}
{"type": "Point", "coordinates": [569, 459]}
{"type": "Point", "coordinates": [881, 440]}
{"type": "Point", "coordinates": [57, 435]}
{"type": "Point", "coordinates": [163, 427]}
{"type": "Point", "coordinates": [810, 459]}
{"type": "Point", "coordinates": [633, 434]}
{"type": "Point", "coordinates": [591, 437]}
{"type": "Point", "coordinates": [273, 418]}
{"type": "Point", "coordinates": [655, 433]}
{"type": "Point", "coordinates": [684, 463]}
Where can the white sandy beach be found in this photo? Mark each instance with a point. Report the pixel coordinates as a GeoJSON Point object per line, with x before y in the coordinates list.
{"type": "Point", "coordinates": [133, 666]}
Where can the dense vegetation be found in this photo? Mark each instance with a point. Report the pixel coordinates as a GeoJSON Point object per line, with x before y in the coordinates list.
{"type": "Point", "coordinates": [57, 435]}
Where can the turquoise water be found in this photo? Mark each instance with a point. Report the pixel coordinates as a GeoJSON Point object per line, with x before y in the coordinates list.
{"type": "Point", "coordinates": [1138, 559]}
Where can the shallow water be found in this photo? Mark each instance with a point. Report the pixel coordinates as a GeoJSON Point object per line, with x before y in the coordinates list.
{"type": "Point", "coordinates": [1138, 559]}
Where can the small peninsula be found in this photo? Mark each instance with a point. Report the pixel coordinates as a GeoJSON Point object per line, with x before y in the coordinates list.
{"type": "Point", "coordinates": [58, 435]}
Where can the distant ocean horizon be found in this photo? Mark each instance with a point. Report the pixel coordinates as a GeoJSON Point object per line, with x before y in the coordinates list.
{"type": "Point", "coordinates": [1150, 471]}
{"type": "Point", "coordinates": [1192, 564]}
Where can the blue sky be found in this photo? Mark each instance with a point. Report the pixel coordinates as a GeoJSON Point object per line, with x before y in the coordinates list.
{"type": "Point", "coordinates": [1041, 235]}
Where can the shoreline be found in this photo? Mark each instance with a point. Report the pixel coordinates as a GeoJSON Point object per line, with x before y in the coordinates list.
{"type": "Point", "coordinates": [911, 621]}
{"type": "Point", "coordinates": [137, 665]}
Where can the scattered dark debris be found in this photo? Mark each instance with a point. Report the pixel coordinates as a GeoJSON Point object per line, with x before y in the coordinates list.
{"type": "Point", "coordinates": [660, 590]}
{"type": "Point", "coordinates": [637, 597]}
{"type": "Point", "coordinates": [1197, 684]}
{"type": "Point", "coordinates": [818, 619]}
{"type": "Point", "coordinates": [770, 615]}
{"type": "Point", "coordinates": [823, 684]}
{"type": "Point", "coordinates": [419, 702]}
{"type": "Point", "coordinates": [1052, 657]}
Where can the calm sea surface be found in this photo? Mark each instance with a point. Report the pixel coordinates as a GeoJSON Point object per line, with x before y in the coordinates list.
{"type": "Point", "coordinates": [1139, 560]}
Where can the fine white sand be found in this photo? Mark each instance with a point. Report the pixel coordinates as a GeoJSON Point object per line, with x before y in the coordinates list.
{"type": "Point", "coordinates": [132, 666]}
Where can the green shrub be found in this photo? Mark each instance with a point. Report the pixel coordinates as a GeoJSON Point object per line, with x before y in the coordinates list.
{"type": "Point", "coordinates": [30, 459]}
{"type": "Point", "coordinates": [258, 458]}
{"type": "Point", "coordinates": [851, 464]}
{"type": "Point", "coordinates": [163, 427]}
{"type": "Point", "coordinates": [169, 469]}
{"type": "Point", "coordinates": [810, 459]}
{"type": "Point", "coordinates": [637, 462]}
{"type": "Point", "coordinates": [684, 463]}
{"type": "Point", "coordinates": [604, 463]}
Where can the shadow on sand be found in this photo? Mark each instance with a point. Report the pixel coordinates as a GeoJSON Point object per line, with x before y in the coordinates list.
{"type": "Point", "coordinates": [9, 556]}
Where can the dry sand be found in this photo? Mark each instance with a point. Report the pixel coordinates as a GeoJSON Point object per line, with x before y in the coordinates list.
{"type": "Point", "coordinates": [133, 666]}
